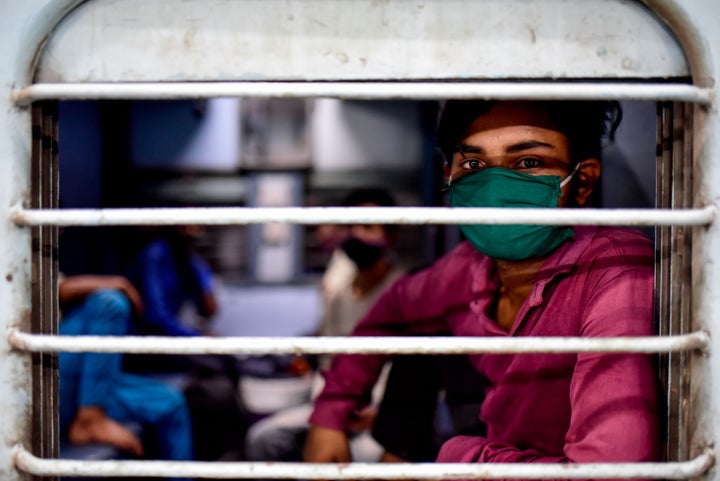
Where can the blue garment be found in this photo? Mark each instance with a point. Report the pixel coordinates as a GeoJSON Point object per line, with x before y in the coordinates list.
{"type": "Point", "coordinates": [165, 287]}
{"type": "Point", "coordinates": [93, 379]}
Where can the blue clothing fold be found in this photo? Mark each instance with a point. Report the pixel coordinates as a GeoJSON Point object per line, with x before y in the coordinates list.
{"type": "Point", "coordinates": [165, 287]}
{"type": "Point", "coordinates": [94, 379]}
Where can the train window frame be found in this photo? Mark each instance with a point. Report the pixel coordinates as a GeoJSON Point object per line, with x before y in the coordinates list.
{"type": "Point", "coordinates": [679, 121]}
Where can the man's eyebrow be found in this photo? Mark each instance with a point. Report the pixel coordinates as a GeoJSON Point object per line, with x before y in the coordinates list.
{"type": "Point", "coordinates": [527, 145]}
{"type": "Point", "coordinates": [469, 149]}
{"type": "Point", "coordinates": [519, 147]}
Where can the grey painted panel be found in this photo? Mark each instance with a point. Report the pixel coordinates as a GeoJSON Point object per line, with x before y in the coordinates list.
{"type": "Point", "coordinates": [136, 40]}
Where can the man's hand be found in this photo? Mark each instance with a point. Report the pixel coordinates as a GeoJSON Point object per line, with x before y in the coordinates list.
{"type": "Point", "coordinates": [325, 445]}
{"type": "Point", "coordinates": [363, 420]}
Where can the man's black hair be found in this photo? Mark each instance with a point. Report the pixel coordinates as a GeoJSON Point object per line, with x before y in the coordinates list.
{"type": "Point", "coordinates": [371, 195]}
{"type": "Point", "coordinates": [584, 123]}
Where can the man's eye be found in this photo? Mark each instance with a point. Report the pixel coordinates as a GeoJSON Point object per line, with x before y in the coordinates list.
{"type": "Point", "coordinates": [472, 164]}
{"type": "Point", "coordinates": [527, 163]}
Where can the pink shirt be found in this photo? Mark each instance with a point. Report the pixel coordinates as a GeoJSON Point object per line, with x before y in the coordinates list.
{"type": "Point", "coordinates": [539, 407]}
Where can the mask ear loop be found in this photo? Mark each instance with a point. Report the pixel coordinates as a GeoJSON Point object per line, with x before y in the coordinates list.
{"type": "Point", "coordinates": [446, 187]}
{"type": "Point", "coordinates": [570, 176]}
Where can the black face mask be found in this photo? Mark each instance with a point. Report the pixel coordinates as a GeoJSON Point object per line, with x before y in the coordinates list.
{"type": "Point", "coordinates": [361, 253]}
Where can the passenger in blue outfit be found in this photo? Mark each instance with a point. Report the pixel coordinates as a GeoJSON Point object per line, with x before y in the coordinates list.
{"type": "Point", "coordinates": [169, 273]}
{"type": "Point", "coordinates": [97, 398]}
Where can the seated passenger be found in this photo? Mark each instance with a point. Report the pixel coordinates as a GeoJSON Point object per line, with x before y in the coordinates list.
{"type": "Point", "coordinates": [523, 281]}
{"type": "Point", "coordinates": [281, 436]}
{"type": "Point", "coordinates": [98, 399]}
{"type": "Point", "coordinates": [170, 274]}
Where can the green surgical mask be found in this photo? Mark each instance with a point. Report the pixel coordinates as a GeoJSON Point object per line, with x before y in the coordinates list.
{"type": "Point", "coordinates": [498, 187]}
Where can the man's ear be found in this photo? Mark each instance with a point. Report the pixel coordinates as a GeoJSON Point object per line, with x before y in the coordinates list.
{"type": "Point", "coordinates": [447, 174]}
{"type": "Point", "coordinates": [586, 179]}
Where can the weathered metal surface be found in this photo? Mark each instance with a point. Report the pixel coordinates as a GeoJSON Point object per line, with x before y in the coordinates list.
{"type": "Point", "coordinates": [363, 39]}
{"type": "Point", "coordinates": [265, 470]}
{"type": "Point", "coordinates": [354, 345]}
{"type": "Point", "coordinates": [695, 24]}
{"type": "Point", "coordinates": [23, 28]}
{"type": "Point", "coordinates": [354, 215]}
{"type": "Point", "coordinates": [367, 90]}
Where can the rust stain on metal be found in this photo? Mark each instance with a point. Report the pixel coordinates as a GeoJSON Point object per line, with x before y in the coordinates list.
{"type": "Point", "coordinates": [189, 39]}
{"type": "Point", "coordinates": [533, 37]}
{"type": "Point", "coordinates": [628, 63]}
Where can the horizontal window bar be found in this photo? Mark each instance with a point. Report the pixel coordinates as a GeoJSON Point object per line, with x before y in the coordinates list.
{"type": "Point", "coordinates": [267, 470]}
{"type": "Point", "coordinates": [352, 345]}
{"type": "Point", "coordinates": [359, 215]}
{"type": "Point", "coordinates": [366, 90]}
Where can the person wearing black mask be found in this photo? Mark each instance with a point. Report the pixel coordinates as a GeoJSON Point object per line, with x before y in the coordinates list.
{"type": "Point", "coordinates": [370, 247]}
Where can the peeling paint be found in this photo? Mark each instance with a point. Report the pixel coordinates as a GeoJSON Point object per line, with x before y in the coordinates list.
{"type": "Point", "coordinates": [628, 64]}
{"type": "Point", "coordinates": [533, 38]}
{"type": "Point", "coordinates": [188, 39]}
{"type": "Point", "coordinates": [342, 57]}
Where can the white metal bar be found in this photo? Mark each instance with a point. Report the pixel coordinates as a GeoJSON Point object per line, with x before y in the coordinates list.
{"type": "Point", "coordinates": [366, 90]}
{"type": "Point", "coordinates": [432, 471]}
{"type": "Point", "coordinates": [355, 215]}
{"type": "Point", "coordinates": [352, 345]}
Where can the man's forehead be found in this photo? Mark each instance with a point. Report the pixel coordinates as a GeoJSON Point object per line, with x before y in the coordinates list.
{"type": "Point", "coordinates": [512, 114]}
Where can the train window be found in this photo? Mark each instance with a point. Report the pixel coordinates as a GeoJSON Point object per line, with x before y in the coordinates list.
{"type": "Point", "coordinates": [291, 85]}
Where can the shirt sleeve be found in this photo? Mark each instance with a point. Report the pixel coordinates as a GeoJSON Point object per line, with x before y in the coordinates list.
{"type": "Point", "coordinates": [159, 311]}
{"type": "Point", "coordinates": [413, 305]}
{"type": "Point", "coordinates": [613, 397]}
{"type": "Point", "coordinates": [202, 273]}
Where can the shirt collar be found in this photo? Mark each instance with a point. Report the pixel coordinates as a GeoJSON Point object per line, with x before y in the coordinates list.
{"type": "Point", "coordinates": [562, 261]}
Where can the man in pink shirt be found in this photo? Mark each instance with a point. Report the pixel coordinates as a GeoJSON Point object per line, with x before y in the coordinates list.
{"type": "Point", "coordinates": [523, 281]}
